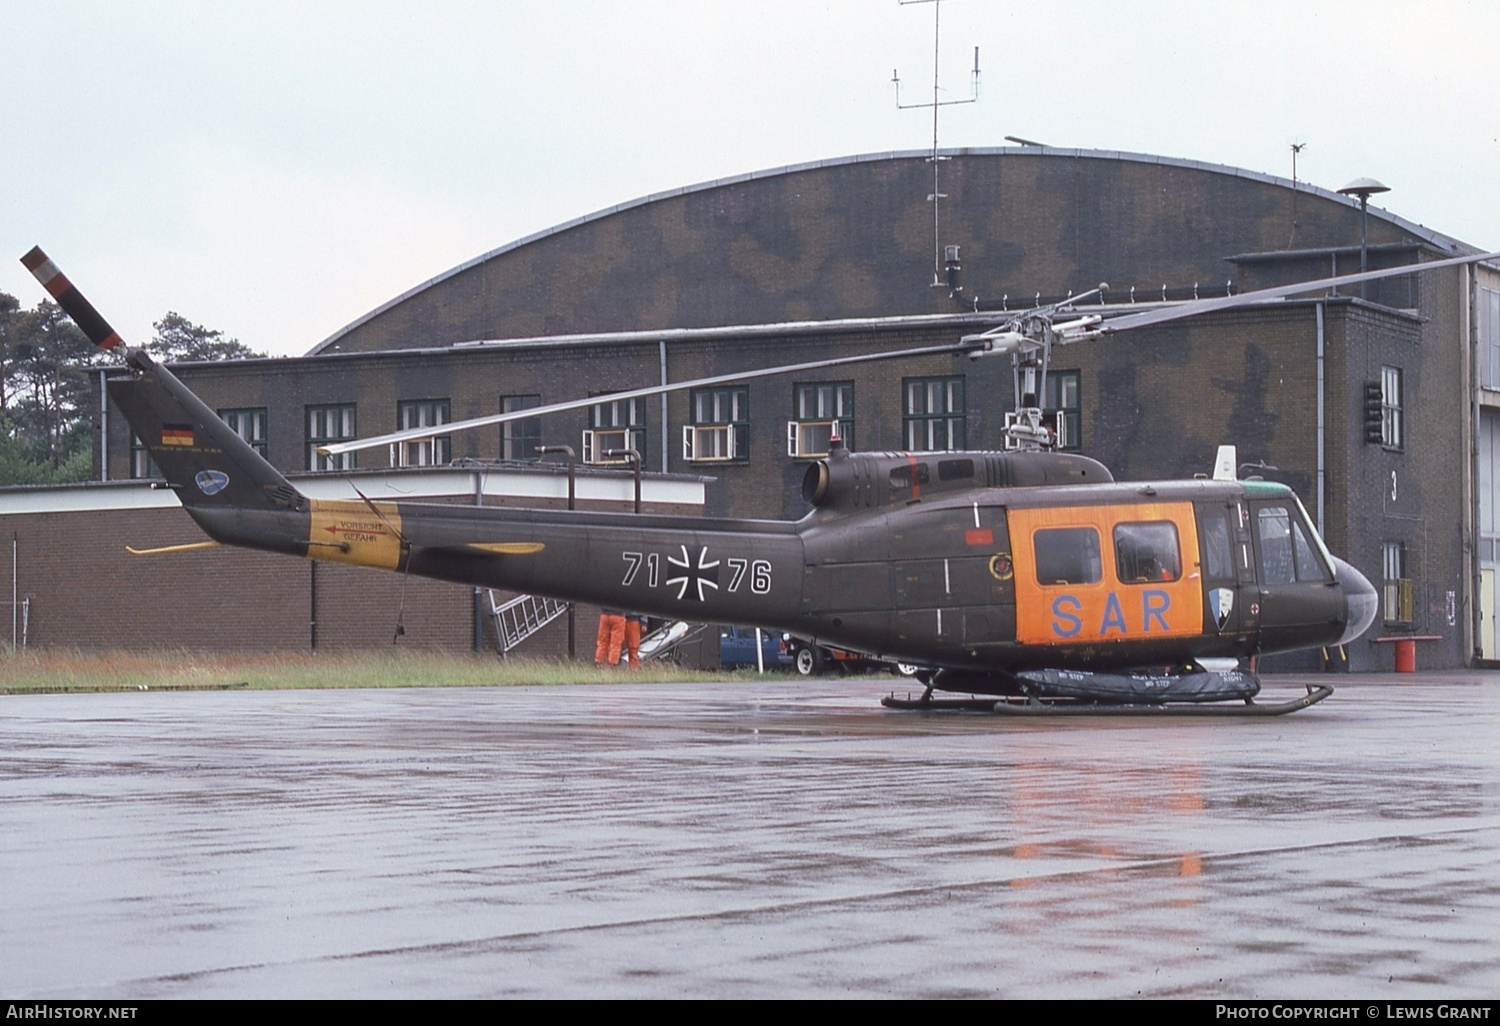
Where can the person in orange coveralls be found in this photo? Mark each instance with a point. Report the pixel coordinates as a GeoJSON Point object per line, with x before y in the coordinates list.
{"type": "Point", "coordinates": [611, 637]}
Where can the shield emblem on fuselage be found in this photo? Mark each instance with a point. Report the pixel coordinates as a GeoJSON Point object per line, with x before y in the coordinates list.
{"type": "Point", "coordinates": [1221, 601]}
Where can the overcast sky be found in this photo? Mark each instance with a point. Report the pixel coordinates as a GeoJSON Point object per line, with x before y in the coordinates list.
{"type": "Point", "coordinates": [277, 169]}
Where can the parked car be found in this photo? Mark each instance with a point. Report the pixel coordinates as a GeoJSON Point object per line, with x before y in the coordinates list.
{"type": "Point", "coordinates": [737, 648]}
{"type": "Point", "coordinates": [810, 659]}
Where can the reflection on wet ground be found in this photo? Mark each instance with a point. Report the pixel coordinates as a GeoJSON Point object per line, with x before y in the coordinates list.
{"type": "Point", "coordinates": [790, 839]}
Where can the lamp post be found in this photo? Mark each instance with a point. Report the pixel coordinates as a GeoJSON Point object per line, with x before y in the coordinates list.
{"type": "Point", "coordinates": [1364, 188]}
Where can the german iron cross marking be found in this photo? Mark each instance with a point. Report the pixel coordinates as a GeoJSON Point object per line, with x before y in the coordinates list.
{"type": "Point", "coordinates": [704, 574]}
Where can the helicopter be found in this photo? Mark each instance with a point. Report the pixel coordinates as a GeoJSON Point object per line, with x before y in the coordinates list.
{"type": "Point", "coordinates": [1027, 575]}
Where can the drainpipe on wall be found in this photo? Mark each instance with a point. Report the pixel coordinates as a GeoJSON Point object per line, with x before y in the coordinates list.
{"type": "Point", "coordinates": [661, 347]}
{"type": "Point", "coordinates": [103, 430]}
{"type": "Point", "coordinates": [1322, 444]}
{"type": "Point", "coordinates": [312, 604]}
{"type": "Point", "coordinates": [1474, 579]}
{"type": "Point", "coordinates": [478, 592]}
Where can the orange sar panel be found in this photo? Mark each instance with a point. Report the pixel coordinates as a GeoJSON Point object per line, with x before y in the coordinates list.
{"type": "Point", "coordinates": [1083, 550]}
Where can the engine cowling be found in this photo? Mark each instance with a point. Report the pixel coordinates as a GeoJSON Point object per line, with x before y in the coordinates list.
{"type": "Point", "coordinates": [846, 481]}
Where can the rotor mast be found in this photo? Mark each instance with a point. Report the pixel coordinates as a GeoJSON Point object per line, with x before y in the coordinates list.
{"type": "Point", "coordinates": [1028, 339]}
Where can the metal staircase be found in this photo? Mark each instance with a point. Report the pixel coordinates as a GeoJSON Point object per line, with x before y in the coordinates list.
{"type": "Point", "coordinates": [521, 617]}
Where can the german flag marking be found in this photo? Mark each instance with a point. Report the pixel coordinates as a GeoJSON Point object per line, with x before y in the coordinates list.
{"type": "Point", "coordinates": [177, 434]}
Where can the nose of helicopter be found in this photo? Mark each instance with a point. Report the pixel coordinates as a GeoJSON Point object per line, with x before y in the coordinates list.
{"type": "Point", "coordinates": [1360, 600]}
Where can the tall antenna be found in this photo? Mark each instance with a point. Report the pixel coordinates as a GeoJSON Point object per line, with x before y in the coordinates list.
{"type": "Point", "coordinates": [1296, 149]}
{"type": "Point", "coordinates": [935, 160]}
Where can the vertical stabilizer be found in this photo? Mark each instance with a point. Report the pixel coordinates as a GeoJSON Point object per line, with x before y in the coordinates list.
{"type": "Point", "coordinates": [207, 464]}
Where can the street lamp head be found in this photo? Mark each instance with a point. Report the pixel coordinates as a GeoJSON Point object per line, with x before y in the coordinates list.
{"type": "Point", "coordinates": [1364, 188]}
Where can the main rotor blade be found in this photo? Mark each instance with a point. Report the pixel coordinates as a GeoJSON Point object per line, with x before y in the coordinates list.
{"type": "Point", "coordinates": [412, 434]}
{"type": "Point", "coordinates": [1203, 306]}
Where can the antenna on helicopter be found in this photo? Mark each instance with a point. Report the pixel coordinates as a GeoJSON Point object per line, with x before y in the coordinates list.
{"type": "Point", "coordinates": [941, 277]}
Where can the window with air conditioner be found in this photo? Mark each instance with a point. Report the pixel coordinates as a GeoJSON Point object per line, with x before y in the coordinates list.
{"type": "Point", "coordinates": [720, 432]}
{"type": "Point", "coordinates": [709, 443]}
{"type": "Point", "coordinates": [1397, 593]}
{"type": "Point", "coordinates": [607, 448]}
{"type": "Point", "coordinates": [822, 410]}
{"type": "Point", "coordinates": [615, 425]}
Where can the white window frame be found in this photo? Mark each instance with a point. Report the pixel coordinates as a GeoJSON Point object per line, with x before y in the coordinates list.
{"type": "Point", "coordinates": [598, 441]}
{"type": "Point", "coordinates": [820, 409]}
{"type": "Point", "coordinates": [423, 452]}
{"type": "Point", "coordinates": [721, 418]}
{"type": "Point", "coordinates": [934, 410]}
{"type": "Point", "coordinates": [811, 439]}
{"type": "Point", "coordinates": [1396, 590]}
{"type": "Point", "coordinates": [347, 421]}
{"type": "Point", "coordinates": [1392, 418]}
{"type": "Point", "coordinates": [709, 443]}
{"type": "Point", "coordinates": [250, 424]}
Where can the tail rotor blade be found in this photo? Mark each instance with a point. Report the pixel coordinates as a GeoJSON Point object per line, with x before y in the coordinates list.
{"type": "Point", "coordinates": [71, 300]}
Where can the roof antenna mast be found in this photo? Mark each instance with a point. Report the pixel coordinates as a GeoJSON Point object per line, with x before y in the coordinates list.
{"type": "Point", "coordinates": [939, 278]}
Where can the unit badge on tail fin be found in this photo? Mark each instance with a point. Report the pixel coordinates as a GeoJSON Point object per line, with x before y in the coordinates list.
{"type": "Point", "coordinates": [211, 482]}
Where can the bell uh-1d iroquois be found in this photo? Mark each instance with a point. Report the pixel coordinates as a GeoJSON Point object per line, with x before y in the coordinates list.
{"type": "Point", "coordinates": [1026, 574]}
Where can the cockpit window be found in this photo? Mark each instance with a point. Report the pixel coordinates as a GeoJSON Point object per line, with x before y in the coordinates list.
{"type": "Point", "coordinates": [1147, 552]}
{"type": "Point", "coordinates": [1276, 565]}
{"type": "Point", "coordinates": [1213, 530]}
{"type": "Point", "coordinates": [1309, 566]}
{"type": "Point", "coordinates": [1067, 555]}
{"type": "Point", "coordinates": [1286, 553]}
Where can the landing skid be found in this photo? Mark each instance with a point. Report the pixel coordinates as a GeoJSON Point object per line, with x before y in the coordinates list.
{"type": "Point", "coordinates": [1073, 707]}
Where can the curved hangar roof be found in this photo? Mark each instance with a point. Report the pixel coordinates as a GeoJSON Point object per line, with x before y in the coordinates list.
{"type": "Point", "coordinates": [853, 238]}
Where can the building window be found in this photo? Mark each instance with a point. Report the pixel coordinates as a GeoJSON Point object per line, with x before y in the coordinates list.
{"type": "Point", "coordinates": [422, 452]}
{"type": "Point", "coordinates": [1489, 338]}
{"type": "Point", "coordinates": [933, 414]}
{"type": "Point", "coordinates": [1397, 595]}
{"type": "Point", "coordinates": [1391, 427]}
{"type": "Point", "coordinates": [614, 426]}
{"type": "Point", "coordinates": [820, 410]}
{"type": "Point", "coordinates": [141, 463]}
{"type": "Point", "coordinates": [249, 425]}
{"type": "Point", "coordinates": [519, 438]}
{"type": "Point", "coordinates": [326, 425]}
{"type": "Point", "coordinates": [1062, 410]}
{"type": "Point", "coordinates": [720, 431]}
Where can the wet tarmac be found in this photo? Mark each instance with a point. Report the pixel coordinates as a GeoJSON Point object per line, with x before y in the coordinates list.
{"type": "Point", "coordinates": [789, 839]}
